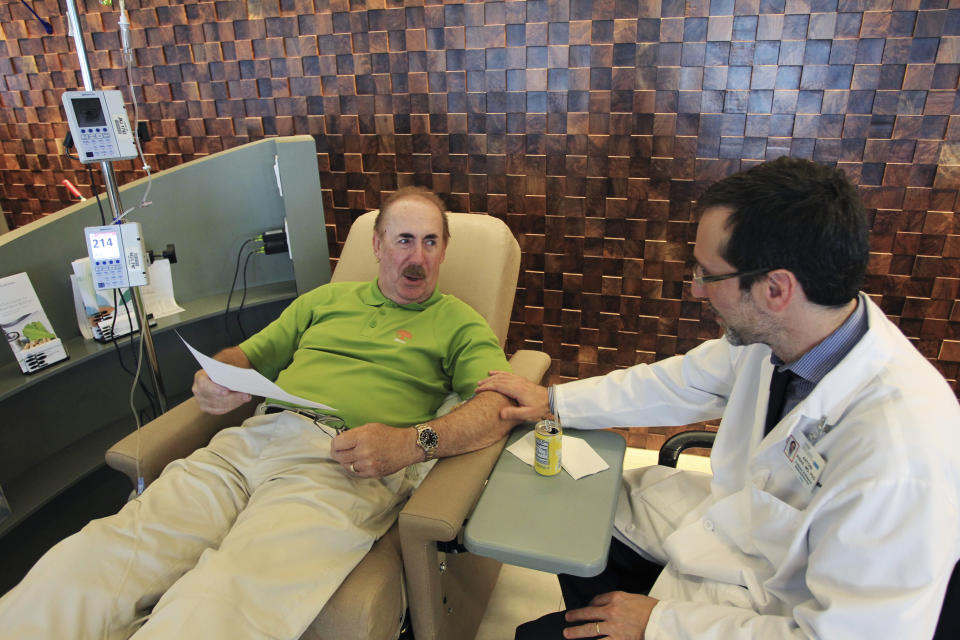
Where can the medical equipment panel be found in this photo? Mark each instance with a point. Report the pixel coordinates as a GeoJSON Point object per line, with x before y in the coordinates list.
{"type": "Point", "coordinates": [117, 256]}
{"type": "Point", "coordinates": [99, 125]}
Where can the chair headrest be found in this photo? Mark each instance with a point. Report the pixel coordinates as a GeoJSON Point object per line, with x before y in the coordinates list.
{"type": "Point", "coordinates": [481, 267]}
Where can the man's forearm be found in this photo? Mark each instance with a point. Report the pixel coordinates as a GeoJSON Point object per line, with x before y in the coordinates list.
{"type": "Point", "coordinates": [234, 356]}
{"type": "Point", "coordinates": [374, 450]}
{"type": "Point", "coordinates": [473, 425]}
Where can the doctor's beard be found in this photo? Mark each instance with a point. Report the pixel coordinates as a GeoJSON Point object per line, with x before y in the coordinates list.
{"type": "Point", "coordinates": [732, 335]}
{"type": "Point", "coordinates": [742, 334]}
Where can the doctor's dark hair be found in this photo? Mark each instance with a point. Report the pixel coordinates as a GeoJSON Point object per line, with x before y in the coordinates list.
{"type": "Point", "coordinates": [797, 215]}
{"type": "Point", "coordinates": [413, 192]}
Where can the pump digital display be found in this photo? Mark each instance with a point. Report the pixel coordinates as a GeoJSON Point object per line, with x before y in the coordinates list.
{"type": "Point", "coordinates": [104, 245]}
{"type": "Point", "coordinates": [89, 112]}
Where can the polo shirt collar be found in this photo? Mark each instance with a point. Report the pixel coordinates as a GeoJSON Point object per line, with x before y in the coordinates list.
{"type": "Point", "coordinates": [374, 297]}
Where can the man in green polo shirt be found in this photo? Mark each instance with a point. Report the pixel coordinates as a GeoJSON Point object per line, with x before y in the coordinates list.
{"type": "Point", "coordinates": [250, 536]}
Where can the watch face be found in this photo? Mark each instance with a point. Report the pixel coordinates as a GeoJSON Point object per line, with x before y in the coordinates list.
{"type": "Point", "coordinates": [428, 438]}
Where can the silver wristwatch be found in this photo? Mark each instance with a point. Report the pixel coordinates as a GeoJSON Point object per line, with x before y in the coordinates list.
{"type": "Point", "coordinates": [427, 440]}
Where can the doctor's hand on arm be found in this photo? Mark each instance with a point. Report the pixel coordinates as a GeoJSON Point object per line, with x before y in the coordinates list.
{"type": "Point", "coordinates": [616, 615]}
{"type": "Point", "coordinates": [533, 401]}
{"type": "Point", "coordinates": [211, 397]}
{"type": "Point", "coordinates": [375, 450]}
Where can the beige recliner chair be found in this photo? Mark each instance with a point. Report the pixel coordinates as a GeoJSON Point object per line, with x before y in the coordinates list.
{"type": "Point", "coordinates": [446, 593]}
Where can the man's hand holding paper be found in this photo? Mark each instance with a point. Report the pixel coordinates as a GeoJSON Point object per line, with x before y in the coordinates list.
{"type": "Point", "coordinates": [222, 387]}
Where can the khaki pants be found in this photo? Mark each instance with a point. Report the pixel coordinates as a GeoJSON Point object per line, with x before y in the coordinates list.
{"type": "Point", "coordinates": [246, 538]}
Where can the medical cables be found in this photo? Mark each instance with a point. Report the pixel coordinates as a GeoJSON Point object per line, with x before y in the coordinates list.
{"type": "Point", "coordinates": [233, 286]}
{"type": "Point", "coordinates": [124, 24]}
{"type": "Point", "coordinates": [269, 242]}
{"type": "Point", "coordinates": [154, 408]}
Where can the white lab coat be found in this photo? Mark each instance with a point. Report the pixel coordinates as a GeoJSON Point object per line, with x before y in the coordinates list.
{"type": "Point", "coordinates": [866, 554]}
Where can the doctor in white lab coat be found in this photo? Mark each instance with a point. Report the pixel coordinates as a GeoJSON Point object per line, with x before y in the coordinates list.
{"type": "Point", "coordinates": [835, 516]}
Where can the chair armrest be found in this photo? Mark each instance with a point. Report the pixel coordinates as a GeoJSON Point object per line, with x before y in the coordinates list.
{"type": "Point", "coordinates": [671, 449]}
{"type": "Point", "coordinates": [173, 435]}
{"type": "Point", "coordinates": [438, 508]}
{"type": "Point", "coordinates": [449, 492]}
{"type": "Point", "coordinates": [531, 365]}
{"type": "Point", "coordinates": [436, 512]}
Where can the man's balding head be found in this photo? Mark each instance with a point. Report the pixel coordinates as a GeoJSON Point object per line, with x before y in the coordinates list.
{"type": "Point", "coordinates": [421, 193]}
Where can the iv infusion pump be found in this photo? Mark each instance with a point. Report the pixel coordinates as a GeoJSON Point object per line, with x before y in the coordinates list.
{"type": "Point", "coordinates": [117, 256]}
{"type": "Point", "coordinates": [99, 125]}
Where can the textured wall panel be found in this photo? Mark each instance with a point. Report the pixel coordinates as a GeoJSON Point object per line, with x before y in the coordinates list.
{"type": "Point", "coordinates": [589, 126]}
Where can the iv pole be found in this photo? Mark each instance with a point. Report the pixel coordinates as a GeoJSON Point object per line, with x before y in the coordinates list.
{"type": "Point", "coordinates": [113, 195]}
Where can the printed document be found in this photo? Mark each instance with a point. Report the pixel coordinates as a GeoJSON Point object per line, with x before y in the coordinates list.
{"type": "Point", "coordinates": [248, 381]}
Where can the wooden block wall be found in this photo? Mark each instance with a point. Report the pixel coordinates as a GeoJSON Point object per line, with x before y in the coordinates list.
{"type": "Point", "coordinates": [588, 125]}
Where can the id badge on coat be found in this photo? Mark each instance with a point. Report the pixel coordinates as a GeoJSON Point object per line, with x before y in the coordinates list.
{"type": "Point", "coordinates": [806, 463]}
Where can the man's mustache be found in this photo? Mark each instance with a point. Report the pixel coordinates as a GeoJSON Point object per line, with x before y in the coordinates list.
{"type": "Point", "coordinates": [414, 271]}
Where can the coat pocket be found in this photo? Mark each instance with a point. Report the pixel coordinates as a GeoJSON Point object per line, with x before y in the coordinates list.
{"type": "Point", "coordinates": [760, 534]}
{"type": "Point", "coordinates": [774, 526]}
{"type": "Point", "coordinates": [654, 502]}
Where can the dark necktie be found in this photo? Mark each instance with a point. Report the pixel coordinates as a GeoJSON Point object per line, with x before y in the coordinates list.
{"type": "Point", "coordinates": [778, 397]}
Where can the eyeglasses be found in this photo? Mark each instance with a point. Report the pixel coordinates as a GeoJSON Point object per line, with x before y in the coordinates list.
{"type": "Point", "coordinates": [700, 279]}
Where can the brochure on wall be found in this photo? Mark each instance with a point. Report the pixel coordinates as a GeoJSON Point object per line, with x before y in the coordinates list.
{"type": "Point", "coordinates": [25, 325]}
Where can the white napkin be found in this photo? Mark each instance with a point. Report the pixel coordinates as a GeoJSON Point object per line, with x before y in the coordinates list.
{"type": "Point", "coordinates": [577, 458]}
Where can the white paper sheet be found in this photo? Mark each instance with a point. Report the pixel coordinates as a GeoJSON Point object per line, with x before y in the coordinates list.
{"type": "Point", "coordinates": [248, 381]}
{"type": "Point", "coordinates": [577, 458]}
{"type": "Point", "coordinates": [158, 295]}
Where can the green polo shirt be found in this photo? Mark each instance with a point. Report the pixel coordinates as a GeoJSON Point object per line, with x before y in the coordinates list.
{"type": "Point", "coordinates": [347, 346]}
